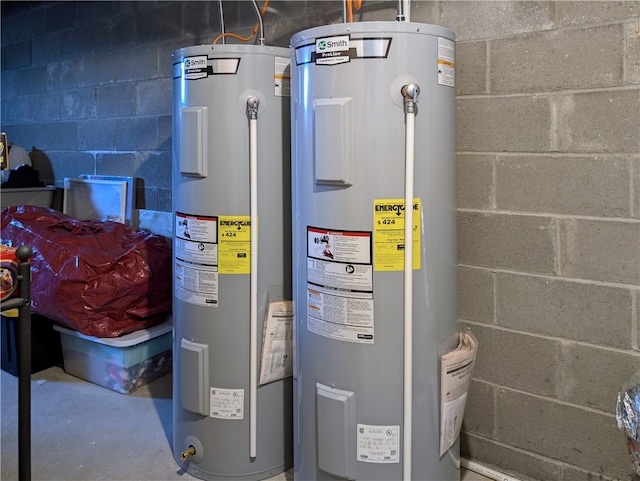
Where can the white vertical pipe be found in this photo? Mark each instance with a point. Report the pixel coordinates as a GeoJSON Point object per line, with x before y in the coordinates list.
{"type": "Point", "coordinates": [485, 471]}
{"type": "Point", "coordinates": [221, 15]}
{"type": "Point", "coordinates": [408, 297]}
{"type": "Point", "coordinates": [406, 7]}
{"type": "Point", "coordinates": [409, 92]}
{"type": "Point", "coordinates": [252, 109]}
{"type": "Point", "coordinates": [260, 23]}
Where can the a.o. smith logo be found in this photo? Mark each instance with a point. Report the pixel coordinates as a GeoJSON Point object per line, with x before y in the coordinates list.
{"type": "Point", "coordinates": [195, 62]}
{"type": "Point", "coordinates": [333, 44]}
{"type": "Point", "coordinates": [195, 67]}
{"type": "Point", "coordinates": [332, 50]}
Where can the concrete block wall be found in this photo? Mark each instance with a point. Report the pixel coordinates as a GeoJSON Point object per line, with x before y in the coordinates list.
{"type": "Point", "coordinates": [83, 84]}
{"type": "Point", "coordinates": [548, 183]}
{"type": "Point", "coordinates": [86, 86]}
{"type": "Point", "coordinates": [548, 231]}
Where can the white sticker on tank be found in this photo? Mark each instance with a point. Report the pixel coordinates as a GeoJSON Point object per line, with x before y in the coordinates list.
{"type": "Point", "coordinates": [282, 76]}
{"type": "Point", "coordinates": [446, 62]}
{"type": "Point", "coordinates": [339, 245]}
{"type": "Point", "coordinates": [340, 284]}
{"type": "Point", "coordinates": [226, 403]}
{"type": "Point", "coordinates": [378, 444]}
{"type": "Point", "coordinates": [196, 238]}
{"type": "Point", "coordinates": [344, 317]}
{"type": "Point", "coordinates": [196, 251]}
{"type": "Point", "coordinates": [331, 275]}
{"type": "Point", "coordinates": [196, 284]}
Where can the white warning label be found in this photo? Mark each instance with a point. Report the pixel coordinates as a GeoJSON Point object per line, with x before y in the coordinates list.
{"type": "Point", "coordinates": [196, 284]}
{"type": "Point", "coordinates": [282, 76]}
{"type": "Point", "coordinates": [196, 267]}
{"type": "Point", "coordinates": [378, 444]}
{"type": "Point", "coordinates": [339, 246]}
{"type": "Point", "coordinates": [446, 62]}
{"type": "Point", "coordinates": [196, 238]}
{"type": "Point", "coordinates": [340, 284]}
{"type": "Point", "coordinates": [341, 316]}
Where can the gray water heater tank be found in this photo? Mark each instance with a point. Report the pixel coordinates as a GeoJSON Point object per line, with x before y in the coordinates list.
{"type": "Point", "coordinates": [348, 171]}
{"type": "Point", "coordinates": [232, 416]}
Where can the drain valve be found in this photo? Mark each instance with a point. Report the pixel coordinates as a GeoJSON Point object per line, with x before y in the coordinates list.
{"type": "Point", "coordinates": [187, 453]}
{"type": "Point", "coordinates": [193, 451]}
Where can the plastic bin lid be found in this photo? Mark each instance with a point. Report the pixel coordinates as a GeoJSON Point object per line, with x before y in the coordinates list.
{"type": "Point", "coordinates": [127, 340]}
{"type": "Point", "coordinates": [46, 188]}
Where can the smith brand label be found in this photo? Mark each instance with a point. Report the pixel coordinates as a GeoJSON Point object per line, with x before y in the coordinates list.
{"type": "Point", "coordinates": [200, 67]}
{"type": "Point", "coordinates": [195, 67]}
{"type": "Point", "coordinates": [332, 50]}
{"type": "Point", "coordinates": [342, 49]}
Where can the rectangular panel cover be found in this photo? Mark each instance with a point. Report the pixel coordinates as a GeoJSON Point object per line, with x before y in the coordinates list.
{"type": "Point", "coordinates": [194, 377]}
{"type": "Point", "coordinates": [332, 140]}
{"type": "Point", "coordinates": [193, 141]}
{"type": "Point", "coordinates": [336, 431]}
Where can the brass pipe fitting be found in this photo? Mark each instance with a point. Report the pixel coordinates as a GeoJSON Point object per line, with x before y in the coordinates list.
{"type": "Point", "coordinates": [187, 453]}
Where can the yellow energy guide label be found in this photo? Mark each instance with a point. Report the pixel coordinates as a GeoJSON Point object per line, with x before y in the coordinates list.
{"type": "Point", "coordinates": [388, 234]}
{"type": "Point", "coordinates": [234, 244]}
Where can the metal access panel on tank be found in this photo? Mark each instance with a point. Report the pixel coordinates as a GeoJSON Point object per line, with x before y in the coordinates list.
{"type": "Point", "coordinates": [349, 148]}
{"type": "Point", "coordinates": [232, 413]}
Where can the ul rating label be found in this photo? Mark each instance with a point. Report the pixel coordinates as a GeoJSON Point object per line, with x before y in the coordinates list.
{"type": "Point", "coordinates": [226, 403]}
{"type": "Point", "coordinates": [378, 444]}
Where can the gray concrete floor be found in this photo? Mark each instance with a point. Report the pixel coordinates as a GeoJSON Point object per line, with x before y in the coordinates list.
{"type": "Point", "coordinates": [81, 431]}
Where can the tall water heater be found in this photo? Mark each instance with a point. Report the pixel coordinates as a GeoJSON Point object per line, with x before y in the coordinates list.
{"type": "Point", "coordinates": [232, 414]}
{"type": "Point", "coordinates": [373, 128]}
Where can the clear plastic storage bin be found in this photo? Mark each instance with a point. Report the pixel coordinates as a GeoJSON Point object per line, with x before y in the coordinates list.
{"type": "Point", "coordinates": [121, 364]}
{"type": "Point", "coordinates": [40, 196]}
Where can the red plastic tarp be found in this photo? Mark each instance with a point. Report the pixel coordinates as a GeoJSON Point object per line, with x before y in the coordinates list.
{"type": "Point", "coordinates": [100, 278]}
